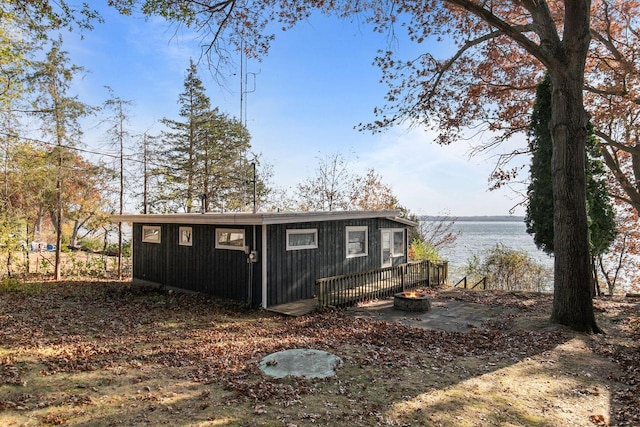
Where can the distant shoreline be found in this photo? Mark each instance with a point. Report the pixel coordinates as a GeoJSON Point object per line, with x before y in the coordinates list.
{"type": "Point", "coordinates": [497, 218]}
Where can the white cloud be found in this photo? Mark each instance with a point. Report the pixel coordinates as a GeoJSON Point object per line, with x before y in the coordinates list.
{"type": "Point", "coordinates": [429, 178]}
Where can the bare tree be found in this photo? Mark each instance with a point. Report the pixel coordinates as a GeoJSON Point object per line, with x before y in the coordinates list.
{"type": "Point", "coordinates": [330, 188]}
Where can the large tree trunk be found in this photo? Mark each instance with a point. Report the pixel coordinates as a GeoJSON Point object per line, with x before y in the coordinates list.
{"type": "Point", "coordinates": [572, 303]}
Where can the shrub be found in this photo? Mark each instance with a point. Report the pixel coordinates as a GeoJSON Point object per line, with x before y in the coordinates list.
{"type": "Point", "coordinates": [423, 251]}
{"type": "Point", "coordinates": [509, 269]}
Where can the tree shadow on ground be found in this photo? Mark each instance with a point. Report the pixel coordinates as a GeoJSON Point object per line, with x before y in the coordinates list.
{"type": "Point", "coordinates": [90, 353]}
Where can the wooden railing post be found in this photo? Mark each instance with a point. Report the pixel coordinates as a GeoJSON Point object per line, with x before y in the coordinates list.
{"type": "Point", "coordinates": [446, 270]}
{"type": "Point", "coordinates": [379, 283]}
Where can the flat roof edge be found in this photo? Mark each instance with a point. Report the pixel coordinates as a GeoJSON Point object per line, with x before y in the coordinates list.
{"type": "Point", "coordinates": [257, 218]}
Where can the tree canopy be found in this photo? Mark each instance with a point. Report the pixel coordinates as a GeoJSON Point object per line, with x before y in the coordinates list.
{"type": "Point", "coordinates": [335, 186]}
{"type": "Point", "coordinates": [205, 157]}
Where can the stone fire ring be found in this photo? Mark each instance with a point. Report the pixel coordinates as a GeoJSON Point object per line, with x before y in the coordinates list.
{"type": "Point", "coordinates": [307, 363]}
{"type": "Point", "coordinates": [412, 301]}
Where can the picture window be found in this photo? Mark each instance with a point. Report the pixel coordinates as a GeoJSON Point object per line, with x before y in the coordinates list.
{"type": "Point", "coordinates": [357, 238]}
{"type": "Point", "coordinates": [302, 239]}
{"type": "Point", "coordinates": [227, 238]}
{"type": "Point", "coordinates": [186, 236]}
{"type": "Point", "coordinates": [151, 234]}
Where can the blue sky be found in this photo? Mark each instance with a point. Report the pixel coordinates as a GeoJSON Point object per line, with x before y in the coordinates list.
{"type": "Point", "coordinates": [317, 83]}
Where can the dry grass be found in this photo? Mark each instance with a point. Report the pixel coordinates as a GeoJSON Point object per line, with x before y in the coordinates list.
{"type": "Point", "coordinates": [107, 354]}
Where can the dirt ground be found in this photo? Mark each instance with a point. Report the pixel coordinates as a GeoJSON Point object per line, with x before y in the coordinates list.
{"type": "Point", "coordinates": [93, 353]}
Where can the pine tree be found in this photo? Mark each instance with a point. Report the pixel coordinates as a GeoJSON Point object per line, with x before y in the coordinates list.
{"type": "Point", "coordinates": [207, 153]}
{"type": "Point", "coordinates": [184, 139]}
{"type": "Point", "coordinates": [224, 162]}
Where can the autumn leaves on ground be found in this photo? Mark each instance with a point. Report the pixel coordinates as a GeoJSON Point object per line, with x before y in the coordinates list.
{"type": "Point", "coordinates": [106, 353]}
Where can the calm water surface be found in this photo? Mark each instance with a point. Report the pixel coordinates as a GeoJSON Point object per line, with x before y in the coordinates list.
{"type": "Point", "coordinates": [476, 237]}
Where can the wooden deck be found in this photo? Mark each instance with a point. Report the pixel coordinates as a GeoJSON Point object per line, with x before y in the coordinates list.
{"type": "Point", "coordinates": [296, 308]}
{"type": "Point", "coordinates": [340, 291]}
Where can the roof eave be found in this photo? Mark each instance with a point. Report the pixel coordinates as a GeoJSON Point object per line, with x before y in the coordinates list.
{"type": "Point", "coordinates": [257, 218]}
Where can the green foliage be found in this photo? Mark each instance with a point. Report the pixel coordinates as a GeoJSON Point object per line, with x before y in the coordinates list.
{"type": "Point", "coordinates": [206, 152]}
{"type": "Point", "coordinates": [92, 244]}
{"type": "Point", "coordinates": [539, 215]}
{"type": "Point", "coordinates": [42, 16]}
{"type": "Point", "coordinates": [602, 225]}
{"type": "Point", "coordinates": [423, 251]}
{"type": "Point", "coordinates": [45, 264]}
{"type": "Point", "coordinates": [508, 269]}
{"type": "Point", "coordinates": [473, 268]}
{"type": "Point", "coordinates": [91, 266]}
{"type": "Point", "coordinates": [12, 285]}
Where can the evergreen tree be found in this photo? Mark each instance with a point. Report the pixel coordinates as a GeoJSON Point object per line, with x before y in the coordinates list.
{"type": "Point", "coordinates": [183, 139]}
{"type": "Point", "coordinates": [602, 225]}
{"type": "Point", "coordinates": [206, 153]}
{"type": "Point", "coordinates": [225, 168]}
{"type": "Point", "coordinates": [539, 215]}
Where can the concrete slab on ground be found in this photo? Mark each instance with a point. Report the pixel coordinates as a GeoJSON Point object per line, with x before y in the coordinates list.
{"type": "Point", "coordinates": [445, 314]}
{"type": "Point", "coordinates": [300, 362]}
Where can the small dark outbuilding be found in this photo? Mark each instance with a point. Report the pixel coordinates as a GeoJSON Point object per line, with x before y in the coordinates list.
{"type": "Point", "coordinates": [265, 259]}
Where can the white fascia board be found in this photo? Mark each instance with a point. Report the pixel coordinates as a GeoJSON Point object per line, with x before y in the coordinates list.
{"type": "Point", "coordinates": [253, 219]}
{"type": "Point", "coordinates": [297, 217]}
{"type": "Point", "coordinates": [208, 218]}
{"type": "Point", "coordinates": [404, 221]}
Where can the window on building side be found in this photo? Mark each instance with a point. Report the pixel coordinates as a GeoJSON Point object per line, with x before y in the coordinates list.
{"type": "Point", "coordinates": [151, 233]}
{"type": "Point", "coordinates": [186, 236]}
{"type": "Point", "coordinates": [357, 241]}
{"type": "Point", "coordinates": [227, 238]}
{"type": "Point", "coordinates": [398, 242]}
{"type": "Point", "coordinates": [302, 239]}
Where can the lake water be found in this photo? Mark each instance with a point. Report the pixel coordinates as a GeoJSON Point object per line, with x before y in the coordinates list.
{"type": "Point", "coordinates": [476, 237]}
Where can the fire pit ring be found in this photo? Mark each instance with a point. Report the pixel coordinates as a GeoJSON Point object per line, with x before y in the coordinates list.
{"type": "Point", "coordinates": [412, 301]}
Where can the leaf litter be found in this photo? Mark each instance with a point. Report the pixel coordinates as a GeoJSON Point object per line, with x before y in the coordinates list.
{"type": "Point", "coordinates": [108, 353]}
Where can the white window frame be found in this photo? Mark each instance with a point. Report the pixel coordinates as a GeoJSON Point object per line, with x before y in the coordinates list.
{"type": "Point", "coordinates": [230, 247]}
{"type": "Point", "coordinates": [152, 238]}
{"type": "Point", "coordinates": [183, 240]}
{"type": "Point", "coordinates": [295, 231]}
{"type": "Point", "coordinates": [357, 228]}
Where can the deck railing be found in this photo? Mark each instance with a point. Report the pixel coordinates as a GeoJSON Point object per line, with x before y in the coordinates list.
{"type": "Point", "coordinates": [344, 290]}
{"type": "Point", "coordinates": [464, 283]}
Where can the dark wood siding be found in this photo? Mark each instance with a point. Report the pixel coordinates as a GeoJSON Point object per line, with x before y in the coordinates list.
{"type": "Point", "coordinates": [292, 274]}
{"type": "Point", "coordinates": [201, 267]}
{"type": "Point", "coordinates": [148, 258]}
{"type": "Point", "coordinates": [225, 273]}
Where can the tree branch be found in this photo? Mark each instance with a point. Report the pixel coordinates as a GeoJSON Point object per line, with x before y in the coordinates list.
{"type": "Point", "coordinates": [543, 15]}
{"type": "Point", "coordinates": [608, 140]}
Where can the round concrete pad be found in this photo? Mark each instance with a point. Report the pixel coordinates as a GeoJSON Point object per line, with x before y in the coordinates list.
{"type": "Point", "coordinates": [306, 363]}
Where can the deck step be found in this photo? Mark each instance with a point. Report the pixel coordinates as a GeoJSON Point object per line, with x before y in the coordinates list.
{"type": "Point", "coordinates": [296, 308]}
